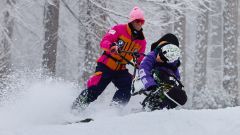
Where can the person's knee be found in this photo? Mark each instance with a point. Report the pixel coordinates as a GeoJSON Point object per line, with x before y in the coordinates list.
{"type": "Point", "coordinates": [92, 94]}
{"type": "Point", "coordinates": [177, 97]}
{"type": "Point", "coordinates": [94, 79]}
{"type": "Point", "coordinates": [122, 97]}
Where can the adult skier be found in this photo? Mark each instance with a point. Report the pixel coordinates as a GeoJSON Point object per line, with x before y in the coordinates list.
{"type": "Point", "coordinates": [111, 65]}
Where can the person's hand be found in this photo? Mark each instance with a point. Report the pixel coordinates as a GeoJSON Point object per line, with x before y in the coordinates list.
{"type": "Point", "coordinates": [136, 65]}
{"type": "Point", "coordinates": [151, 89]}
{"type": "Point", "coordinates": [114, 49]}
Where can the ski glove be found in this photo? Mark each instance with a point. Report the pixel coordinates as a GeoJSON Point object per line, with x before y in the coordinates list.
{"type": "Point", "coordinates": [151, 89]}
{"type": "Point", "coordinates": [114, 48]}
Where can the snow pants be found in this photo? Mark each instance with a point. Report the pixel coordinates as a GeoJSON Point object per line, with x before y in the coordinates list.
{"type": "Point", "coordinates": [122, 79]}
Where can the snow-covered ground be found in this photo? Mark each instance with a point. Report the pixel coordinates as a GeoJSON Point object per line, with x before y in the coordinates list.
{"type": "Point", "coordinates": [43, 106]}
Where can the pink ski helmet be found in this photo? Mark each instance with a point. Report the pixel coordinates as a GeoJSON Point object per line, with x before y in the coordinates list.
{"type": "Point", "coordinates": [136, 14]}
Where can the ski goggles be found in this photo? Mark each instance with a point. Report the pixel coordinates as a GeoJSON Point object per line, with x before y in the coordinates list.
{"type": "Point", "coordinates": [139, 21]}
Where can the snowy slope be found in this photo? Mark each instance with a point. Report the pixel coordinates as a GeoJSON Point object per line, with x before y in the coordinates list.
{"type": "Point", "coordinates": [43, 105]}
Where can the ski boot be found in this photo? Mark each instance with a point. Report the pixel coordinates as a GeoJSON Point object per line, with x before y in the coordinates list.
{"type": "Point", "coordinates": [81, 102]}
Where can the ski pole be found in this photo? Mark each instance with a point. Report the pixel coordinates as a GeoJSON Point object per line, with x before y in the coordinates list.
{"type": "Point", "coordinates": [134, 74]}
{"type": "Point", "coordinates": [135, 55]}
{"type": "Point", "coordinates": [141, 91]}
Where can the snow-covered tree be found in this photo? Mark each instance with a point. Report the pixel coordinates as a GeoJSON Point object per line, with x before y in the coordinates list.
{"type": "Point", "coordinates": [6, 41]}
{"type": "Point", "coordinates": [230, 35]}
{"type": "Point", "coordinates": [180, 31]}
{"type": "Point", "coordinates": [6, 29]}
{"type": "Point", "coordinates": [214, 60]}
{"type": "Point", "coordinates": [238, 47]}
{"type": "Point", "coordinates": [200, 56]}
{"type": "Point", "coordinates": [92, 28]}
{"type": "Point", "coordinates": [51, 15]}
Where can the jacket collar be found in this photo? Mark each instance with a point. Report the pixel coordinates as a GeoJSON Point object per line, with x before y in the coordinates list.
{"type": "Point", "coordinates": [134, 33]}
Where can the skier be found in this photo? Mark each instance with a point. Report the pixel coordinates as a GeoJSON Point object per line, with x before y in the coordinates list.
{"type": "Point", "coordinates": [111, 65]}
{"type": "Point", "coordinates": [160, 75]}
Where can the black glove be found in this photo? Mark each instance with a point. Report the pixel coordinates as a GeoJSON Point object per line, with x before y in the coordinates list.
{"type": "Point", "coordinates": [152, 88]}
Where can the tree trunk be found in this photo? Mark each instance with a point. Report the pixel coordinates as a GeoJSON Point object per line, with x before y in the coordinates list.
{"type": "Point", "coordinates": [5, 52]}
{"type": "Point", "coordinates": [180, 31]}
{"type": "Point", "coordinates": [200, 58]}
{"type": "Point", "coordinates": [51, 18]}
{"type": "Point", "coordinates": [238, 49]}
{"type": "Point", "coordinates": [94, 19]}
{"type": "Point", "coordinates": [230, 69]}
{"type": "Point", "coordinates": [5, 44]}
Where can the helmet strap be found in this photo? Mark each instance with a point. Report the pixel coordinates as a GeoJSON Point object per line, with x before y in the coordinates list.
{"type": "Point", "coordinates": [160, 53]}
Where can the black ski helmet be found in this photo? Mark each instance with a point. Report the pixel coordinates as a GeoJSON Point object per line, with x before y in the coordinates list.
{"type": "Point", "coordinates": [169, 38]}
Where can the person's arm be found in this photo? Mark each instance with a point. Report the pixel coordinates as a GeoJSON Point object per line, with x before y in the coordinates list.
{"type": "Point", "coordinates": [109, 38]}
{"type": "Point", "coordinates": [176, 71]}
{"type": "Point", "coordinates": [145, 69]}
{"type": "Point", "coordinates": [177, 74]}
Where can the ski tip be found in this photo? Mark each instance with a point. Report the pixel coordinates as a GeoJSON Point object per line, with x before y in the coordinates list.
{"type": "Point", "coordinates": [86, 120]}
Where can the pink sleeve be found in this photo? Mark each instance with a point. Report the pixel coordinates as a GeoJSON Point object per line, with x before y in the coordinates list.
{"type": "Point", "coordinates": [110, 37]}
{"type": "Point", "coordinates": [142, 50]}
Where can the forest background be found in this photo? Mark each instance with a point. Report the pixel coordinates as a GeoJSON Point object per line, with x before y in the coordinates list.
{"type": "Point", "coordinates": [60, 38]}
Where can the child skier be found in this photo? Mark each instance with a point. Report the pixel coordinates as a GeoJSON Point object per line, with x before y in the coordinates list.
{"type": "Point", "coordinates": [160, 75]}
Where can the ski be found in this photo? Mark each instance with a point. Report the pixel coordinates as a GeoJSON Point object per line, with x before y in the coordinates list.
{"type": "Point", "coordinates": [87, 120]}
